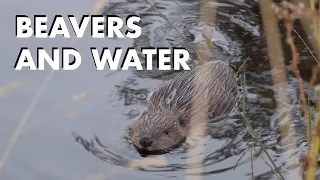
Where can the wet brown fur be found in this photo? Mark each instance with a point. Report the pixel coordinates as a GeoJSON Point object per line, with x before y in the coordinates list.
{"type": "Point", "coordinates": [167, 116]}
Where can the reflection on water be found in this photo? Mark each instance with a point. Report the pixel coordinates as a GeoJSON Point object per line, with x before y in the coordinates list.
{"type": "Point", "coordinates": [236, 36]}
{"type": "Point", "coordinates": [121, 96]}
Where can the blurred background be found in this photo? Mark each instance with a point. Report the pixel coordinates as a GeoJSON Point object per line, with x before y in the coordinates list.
{"type": "Point", "coordinates": [72, 125]}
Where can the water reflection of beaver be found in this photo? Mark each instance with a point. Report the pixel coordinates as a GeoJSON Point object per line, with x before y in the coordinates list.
{"type": "Point", "coordinates": [165, 122]}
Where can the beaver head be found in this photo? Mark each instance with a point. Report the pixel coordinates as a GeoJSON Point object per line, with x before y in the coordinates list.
{"type": "Point", "coordinates": [158, 132]}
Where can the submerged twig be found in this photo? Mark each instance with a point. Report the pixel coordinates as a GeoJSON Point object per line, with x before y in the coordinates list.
{"type": "Point", "coordinates": [310, 161]}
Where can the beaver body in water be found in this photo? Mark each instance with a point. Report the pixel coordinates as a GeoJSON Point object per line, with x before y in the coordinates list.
{"type": "Point", "coordinates": [165, 122]}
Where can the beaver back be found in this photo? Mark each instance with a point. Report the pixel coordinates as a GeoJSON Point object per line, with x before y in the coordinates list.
{"type": "Point", "coordinates": [214, 82]}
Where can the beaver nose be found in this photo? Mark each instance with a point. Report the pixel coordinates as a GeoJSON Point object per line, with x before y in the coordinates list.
{"type": "Point", "coordinates": [145, 142]}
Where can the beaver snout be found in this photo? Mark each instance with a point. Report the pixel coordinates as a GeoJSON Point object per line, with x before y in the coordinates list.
{"type": "Point", "coordinates": [145, 142]}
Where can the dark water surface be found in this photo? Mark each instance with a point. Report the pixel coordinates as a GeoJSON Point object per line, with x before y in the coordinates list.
{"type": "Point", "coordinates": [58, 140]}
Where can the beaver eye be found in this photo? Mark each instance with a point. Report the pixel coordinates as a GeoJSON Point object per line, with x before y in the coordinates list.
{"type": "Point", "coordinates": [166, 131]}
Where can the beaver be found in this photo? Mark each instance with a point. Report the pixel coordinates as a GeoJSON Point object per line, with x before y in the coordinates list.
{"type": "Point", "coordinates": [165, 122]}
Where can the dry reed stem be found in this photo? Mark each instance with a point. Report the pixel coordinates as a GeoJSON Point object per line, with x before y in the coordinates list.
{"type": "Point", "coordinates": [314, 77]}
{"type": "Point", "coordinates": [251, 130]}
{"type": "Point", "coordinates": [208, 19]}
{"type": "Point", "coordinates": [279, 75]}
{"type": "Point", "coordinates": [310, 161]}
{"type": "Point", "coordinates": [272, 168]}
{"type": "Point", "coordinates": [33, 104]}
{"type": "Point", "coordinates": [315, 21]}
{"type": "Point", "coordinates": [308, 26]}
{"type": "Point", "coordinates": [81, 96]}
{"type": "Point", "coordinates": [9, 88]}
{"type": "Point", "coordinates": [200, 106]}
{"type": "Point", "coordinates": [99, 5]}
{"type": "Point", "coordinates": [292, 11]}
{"type": "Point", "coordinates": [313, 155]}
{"type": "Point", "coordinates": [158, 161]}
{"type": "Point", "coordinates": [302, 11]}
{"type": "Point", "coordinates": [24, 120]}
{"type": "Point", "coordinates": [294, 65]}
{"type": "Point", "coordinates": [305, 44]}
